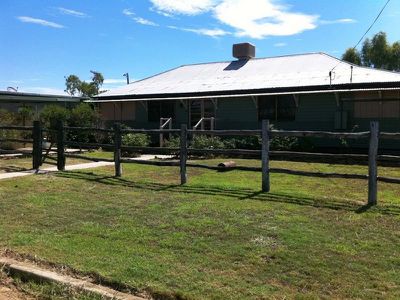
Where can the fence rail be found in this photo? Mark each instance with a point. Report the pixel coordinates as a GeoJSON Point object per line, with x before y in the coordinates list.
{"type": "Point", "coordinates": [183, 151]}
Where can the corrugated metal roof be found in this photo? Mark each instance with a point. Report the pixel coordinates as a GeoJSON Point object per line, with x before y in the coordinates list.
{"type": "Point", "coordinates": [304, 70]}
{"type": "Point", "coordinates": [6, 96]}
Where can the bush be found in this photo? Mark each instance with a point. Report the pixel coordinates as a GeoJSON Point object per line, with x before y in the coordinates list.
{"type": "Point", "coordinates": [9, 118]}
{"type": "Point", "coordinates": [247, 142]}
{"type": "Point", "coordinates": [205, 142]}
{"type": "Point", "coordinates": [173, 142]}
{"type": "Point", "coordinates": [83, 115]}
{"type": "Point", "coordinates": [136, 140]}
{"type": "Point", "coordinates": [284, 143]}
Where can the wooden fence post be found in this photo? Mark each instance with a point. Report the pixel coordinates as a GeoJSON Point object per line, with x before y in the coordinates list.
{"type": "Point", "coordinates": [265, 156]}
{"type": "Point", "coordinates": [183, 153]}
{"type": "Point", "coordinates": [60, 146]}
{"type": "Point", "coordinates": [161, 134]}
{"type": "Point", "coordinates": [37, 145]}
{"type": "Point", "coordinates": [372, 164]}
{"type": "Point", "coordinates": [117, 149]}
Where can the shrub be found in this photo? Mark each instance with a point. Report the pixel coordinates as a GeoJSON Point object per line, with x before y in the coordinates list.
{"type": "Point", "coordinates": [247, 142]}
{"type": "Point", "coordinates": [8, 118]}
{"type": "Point", "coordinates": [53, 113]}
{"type": "Point", "coordinates": [284, 143]}
{"type": "Point", "coordinates": [83, 115]}
{"type": "Point", "coordinates": [136, 140]}
{"type": "Point", "coordinates": [173, 142]}
{"type": "Point", "coordinates": [205, 142]}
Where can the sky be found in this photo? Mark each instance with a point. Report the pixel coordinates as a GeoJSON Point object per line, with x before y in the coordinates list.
{"type": "Point", "coordinates": [43, 41]}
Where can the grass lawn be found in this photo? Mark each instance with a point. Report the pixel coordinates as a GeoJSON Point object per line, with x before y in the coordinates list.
{"type": "Point", "coordinates": [15, 288]}
{"type": "Point", "coordinates": [25, 163]}
{"type": "Point", "coordinates": [218, 237]}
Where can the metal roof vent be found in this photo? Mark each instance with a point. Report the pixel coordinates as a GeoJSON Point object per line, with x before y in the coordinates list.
{"type": "Point", "coordinates": [244, 51]}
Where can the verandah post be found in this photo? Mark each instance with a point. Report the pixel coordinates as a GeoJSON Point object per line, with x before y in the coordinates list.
{"type": "Point", "coordinates": [117, 149]}
{"type": "Point", "coordinates": [183, 153]}
{"type": "Point", "coordinates": [60, 146]}
{"type": "Point", "coordinates": [372, 164]}
{"type": "Point", "coordinates": [265, 156]}
{"type": "Point", "coordinates": [37, 145]}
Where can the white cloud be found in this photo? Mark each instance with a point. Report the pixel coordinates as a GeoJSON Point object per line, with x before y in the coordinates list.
{"type": "Point", "coordinates": [255, 19]}
{"type": "Point", "coordinates": [128, 12]}
{"type": "Point", "coordinates": [186, 7]}
{"type": "Point", "coordinates": [280, 44]}
{"type": "Point", "coordinates": [263, 18]}
{"type": "Point", "coordinates": [144, 21]}
{"type": "Point", "coordinates": [140, 20]}
{"type": "Point", "coordinates": [338, 21]}
{"type": "Point", "coordinates": [203, 31]}
{"type": "Point", "coordinates": [39, 22]}
{"type": "Point", "coordinates": [72, 12]}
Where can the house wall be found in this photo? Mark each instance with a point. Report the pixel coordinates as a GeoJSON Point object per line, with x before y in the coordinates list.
{"type": "Point", "coordinates": [314, 112]}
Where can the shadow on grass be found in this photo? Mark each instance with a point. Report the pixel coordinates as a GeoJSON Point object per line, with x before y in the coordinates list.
{"type": "Point", "coordinates": [10, 169]}
{"type": "Point", "coordinates": [236, 193]}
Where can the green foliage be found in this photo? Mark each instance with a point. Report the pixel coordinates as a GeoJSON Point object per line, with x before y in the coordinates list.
{"type": "Point", "coordinates": [206, 142]}
{"type": "Point", "coordinates": [173, 142]}
{"type": "Point", "coordinates": [247, 142]}
{"type": "Point", "coordinates": [377, 53]}
{"type": "Point", "coordinates": [284, 143]}
{"type": "Point", "coordinates": [53, 113]}
{"type": "Point", "coordinates": [83, 115]}
{"type": "Point", "coordinates": [8, 118]}
{"type": "Point", "coordinates": [25, 114]}
{"type": "Point", "coordinates": [136, 140]}
{"type": "Point", "coordinates": [75, 86]}
{"type": "Point", "coordinates": [352, 56]}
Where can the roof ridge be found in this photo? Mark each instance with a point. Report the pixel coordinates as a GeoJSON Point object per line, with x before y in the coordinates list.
{"type": "Point", "coordinates": [256, 58]}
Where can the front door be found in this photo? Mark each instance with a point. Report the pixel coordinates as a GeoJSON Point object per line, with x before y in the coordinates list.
{"type": "Point", "coordinates": [201, 109]}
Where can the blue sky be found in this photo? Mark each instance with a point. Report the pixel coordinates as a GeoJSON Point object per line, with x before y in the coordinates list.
{"type": "Point", "coordinates": [44, 40]}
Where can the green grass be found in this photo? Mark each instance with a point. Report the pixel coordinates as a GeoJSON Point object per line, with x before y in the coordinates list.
{"type": "Point", "coordinates": [218, 237]}
{"type": "Point", "coordinates": [25, 163]}
{"type": "Point", "coordinates": [43, 290]}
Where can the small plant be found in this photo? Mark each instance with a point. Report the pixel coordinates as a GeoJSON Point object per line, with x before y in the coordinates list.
{"type": "Point", "coordinates": [247, 142]}
{"type": "Point", "coordinates": [8, 118]}
{"type": "Point", "coordinates": [205, 142]}
{"type": "Point", "coordinates": [284, 143]}
{"type": "Point", "coordinates": [136, 140]}
{"type": "Point", "coordinates": [173, 142]}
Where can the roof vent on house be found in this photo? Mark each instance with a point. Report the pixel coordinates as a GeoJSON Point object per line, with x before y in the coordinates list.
{"type": "Point", "coordinates": [244, 51]}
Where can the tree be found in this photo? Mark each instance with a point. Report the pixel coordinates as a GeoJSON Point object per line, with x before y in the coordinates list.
{"type": "Point", "coordinates": [352, 56]}
{"type": "Point", "coordinates": [76, 86]}
{"type": "Point", "coordinates": [376, 53]}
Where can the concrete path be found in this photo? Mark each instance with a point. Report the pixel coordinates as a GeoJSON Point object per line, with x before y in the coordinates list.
{"type": "Point", "coordinates": [32, 271]}
{"type": "Point", "coordinates": [77, 166]}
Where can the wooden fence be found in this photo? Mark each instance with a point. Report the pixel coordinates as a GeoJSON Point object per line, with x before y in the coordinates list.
{"type": "Point", "coordinates": [266, 134]}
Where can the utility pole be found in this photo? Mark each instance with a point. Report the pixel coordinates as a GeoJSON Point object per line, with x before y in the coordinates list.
{"type": "Point", "coordinates": [127, 77]}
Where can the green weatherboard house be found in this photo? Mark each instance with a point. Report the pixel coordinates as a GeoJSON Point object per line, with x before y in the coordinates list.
{"type": "Point", "coordinates": [312, 91]}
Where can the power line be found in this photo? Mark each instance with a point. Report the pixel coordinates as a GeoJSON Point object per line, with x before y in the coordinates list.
{"type": "Point", "coordinates": [369, 28]}
{"type": "Point", "coordinates": [373, 23]}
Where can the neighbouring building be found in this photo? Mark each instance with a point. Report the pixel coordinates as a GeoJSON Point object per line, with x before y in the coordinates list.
{"type": "Point", "coordinates": [13, 101]}
{"type": "Point", "coordinates": [313, 91]}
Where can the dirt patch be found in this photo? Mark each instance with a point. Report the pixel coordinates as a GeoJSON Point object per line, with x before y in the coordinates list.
{"type": "Point", "coordinates": [9, 292]}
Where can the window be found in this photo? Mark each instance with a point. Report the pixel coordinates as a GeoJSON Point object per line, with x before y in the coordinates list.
{"type": "Point", "coordinates": [277, 108]}
{"type": "Point", "coordinates": [160, 109]}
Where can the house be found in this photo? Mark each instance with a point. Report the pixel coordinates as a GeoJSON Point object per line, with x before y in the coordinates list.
{"type": "Point", "coordinates": [13, 101]}
{"type": "Point", "coordinates": [312, 91]}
